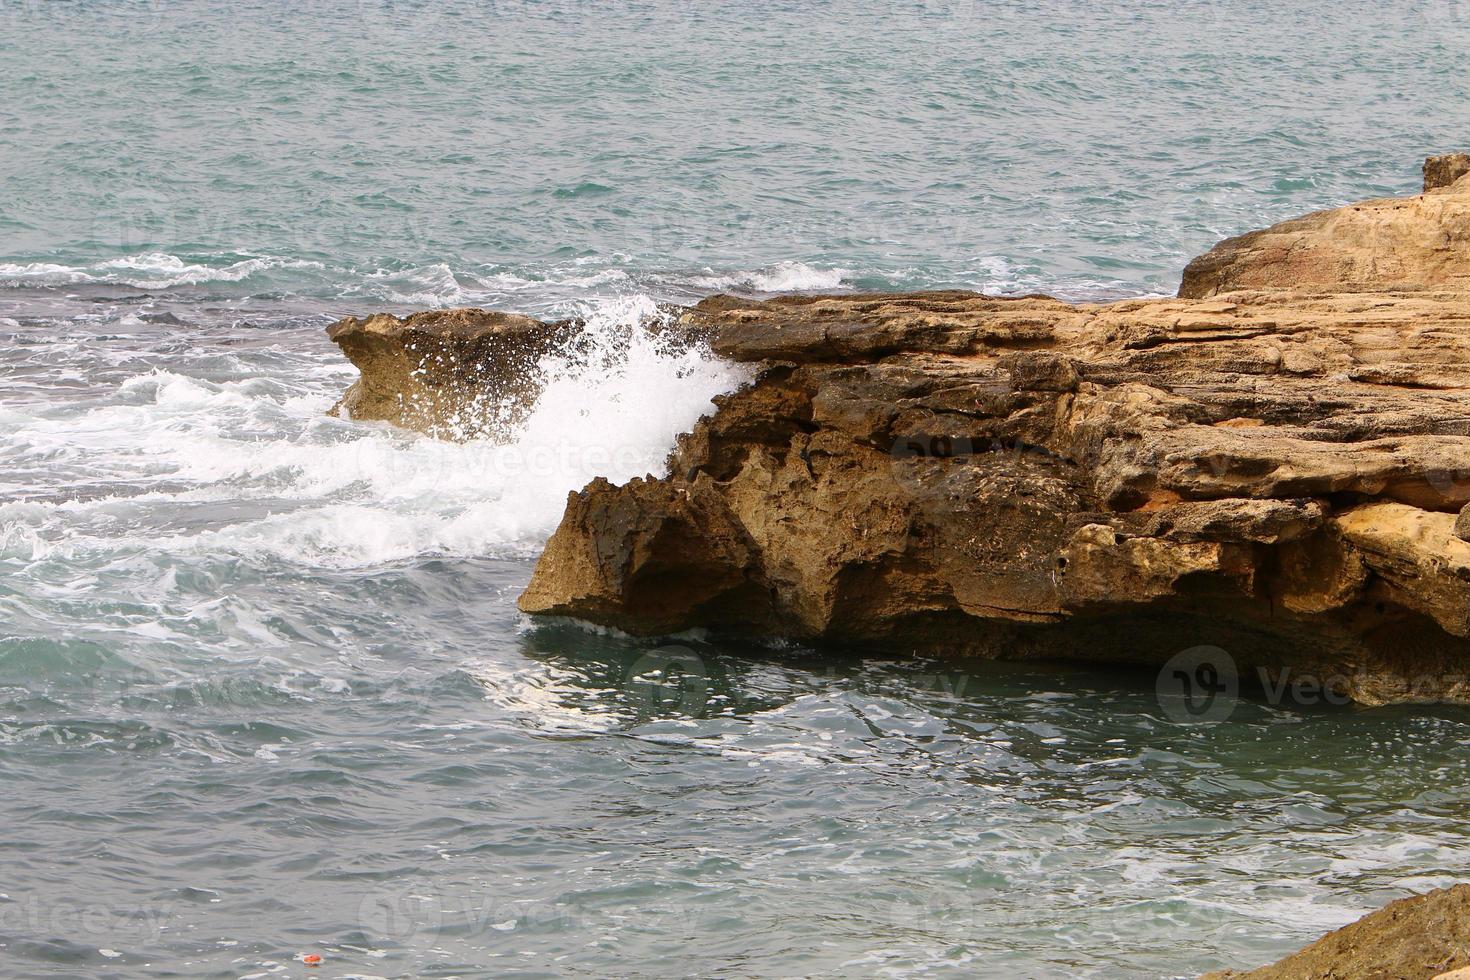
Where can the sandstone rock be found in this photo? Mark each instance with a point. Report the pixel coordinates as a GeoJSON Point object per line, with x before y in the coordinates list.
{"type": "Point", "coordinates": [1418, 560]}
{"type": "Point", "coordinates": [1462, 524]}
{"type": "Point", "coordinates": [1442, 171]}
{"type": "Point", "coordinates": [1276, 473]}
{"type": "Point", "coordinates": [958, 474]}
{"type": "Point", "coordinates": [1419, 938]}
{"type": "Point", "coordinates": [1396, 243]}
{"type": "Point", "coordinates": [449, 373]}
{"type": "Point", "coordinates": [691, 559]}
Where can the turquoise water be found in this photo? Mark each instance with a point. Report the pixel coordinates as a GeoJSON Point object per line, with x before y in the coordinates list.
{"type": "Point", "coordinates": [263, 688]}
{"type": "Point", "coordinates": [514, 152]}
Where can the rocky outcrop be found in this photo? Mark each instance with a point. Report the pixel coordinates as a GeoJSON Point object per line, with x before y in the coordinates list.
{"type": "Point", "coordinates": [1420, 242]}
{"type": "Point", "coordinates": [1276, 473]}
{"type": "Point", "coordinates": [1278, 476]}
{"type": "Point", "coordinates": [1442, 171]}
{"type": "Point", "coordinates": [1426, 937]}
{"type": "Point", "coordinates": [449, 373]}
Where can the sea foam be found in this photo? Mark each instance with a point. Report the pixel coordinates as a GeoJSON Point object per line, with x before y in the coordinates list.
{"type": "Point", "coordinates": [779, 278]}
{"type": "Point", "coordinates": [253, 466]}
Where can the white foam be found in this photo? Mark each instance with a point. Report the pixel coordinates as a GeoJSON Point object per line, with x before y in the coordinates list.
{"type": "Point", "coordinates": [431, 285]}
{"type": "Point", "coordinates": [40, 273]}
{"type": "Point", "coordinates": [783, 277]}
{"type": "Point", "coordinates": [149, 270]}
{"type": "Point", "coordinates": [438, 285]}
{"type": "Point", "coordinates": [288, 482]}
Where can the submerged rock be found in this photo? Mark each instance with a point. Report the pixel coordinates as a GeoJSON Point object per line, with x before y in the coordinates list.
{"type": "Point", "coordinates": [1420, 242]}
{"type": "Point", "coordinates": [1424, 937]}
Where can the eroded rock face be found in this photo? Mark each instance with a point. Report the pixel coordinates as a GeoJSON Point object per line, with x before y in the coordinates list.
{"type": "Point", "coordinates": [448, 373]}
{"type": "Point", "coordinates": [1395, 243]}
{"type": "Point", "coordinates": [1275, 475]}
{"type": "Point", "coordinates": [1418, 938]}
{"type": "Point", "coordinates": [1280, 473]}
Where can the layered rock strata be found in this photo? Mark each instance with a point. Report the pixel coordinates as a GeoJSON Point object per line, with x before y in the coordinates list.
{"type": "Point", "coordinates": [1277, 473]}
{"type": "Point", "coordinates": [1278, 477]}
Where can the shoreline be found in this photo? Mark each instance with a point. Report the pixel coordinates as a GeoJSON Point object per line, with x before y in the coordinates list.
{"type": "Point", "coordinates": [1268, 475]}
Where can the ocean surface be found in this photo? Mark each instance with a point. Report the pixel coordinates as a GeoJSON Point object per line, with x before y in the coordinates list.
{"type": "Point", "coordinates": [264, 691]}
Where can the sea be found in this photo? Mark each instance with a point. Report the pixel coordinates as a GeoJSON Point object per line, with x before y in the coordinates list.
{"type": "Point", "coordinates": [264, 691]}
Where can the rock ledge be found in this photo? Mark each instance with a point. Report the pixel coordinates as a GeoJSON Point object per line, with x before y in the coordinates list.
{"type": "Point", "coordinates": [1274, 464]}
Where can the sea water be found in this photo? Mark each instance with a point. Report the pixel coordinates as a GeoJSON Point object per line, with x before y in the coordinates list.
{"type": "Point", "coordinates": [263, 688]}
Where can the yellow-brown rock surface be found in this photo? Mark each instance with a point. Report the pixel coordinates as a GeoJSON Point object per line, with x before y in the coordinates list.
{"type": "Point", "coordinates": [1276, 475]}
{"type": "Point", "coordinates": [1425, 937]}
{"type": "Point", "coordinates": [450, 373]}
{"type": "Point", "coordinates": [1277, 472]}
{"type": "Point", "coordinates": [1420, 242]}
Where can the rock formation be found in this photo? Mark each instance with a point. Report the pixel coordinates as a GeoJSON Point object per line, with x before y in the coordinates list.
{"type": "Point", "coordinates": [1395, 243]}
{"type": "Point", "coordinates": [1276, 473]}
{"type": "Point", "coordinates": [1426, 937]}
{"type": "Point", "coordinates": [448, 373]}
{"type": "Point", "coordinates": [950, 473]}
{"type": "Point", "coordinates": [1442, 171]}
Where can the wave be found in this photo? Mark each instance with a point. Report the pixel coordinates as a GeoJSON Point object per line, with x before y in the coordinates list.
{"type": "Point", "coordinates": [151, 270]}
{"type": "Point", "coordinates": [252, 465]}
{"type": "Point", "coordinates": [783, 277]}
{"type": "Point", "coordinates": [546, 288]}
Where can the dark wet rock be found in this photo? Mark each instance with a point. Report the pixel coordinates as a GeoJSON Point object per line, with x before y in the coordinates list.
{"type": "Point", "coordinates": [1442, 171]}
{"type": "Point", "coordinates": [450, 373]}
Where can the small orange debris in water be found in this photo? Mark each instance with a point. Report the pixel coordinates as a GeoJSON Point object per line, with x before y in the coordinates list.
{"type": "Point", "coordinates": [312, 959]}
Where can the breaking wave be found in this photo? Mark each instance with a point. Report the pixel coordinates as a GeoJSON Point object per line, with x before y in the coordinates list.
{"type": "Point", "coordinates": [783, 277]}
{"type": "Point", "coordinates": [179, 460]}
{"type": "Point", "coordinates": [151, 270]}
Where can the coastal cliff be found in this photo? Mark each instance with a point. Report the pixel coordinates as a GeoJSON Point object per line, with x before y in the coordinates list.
{"type": "Point", "coordinates": [1272, 464]}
